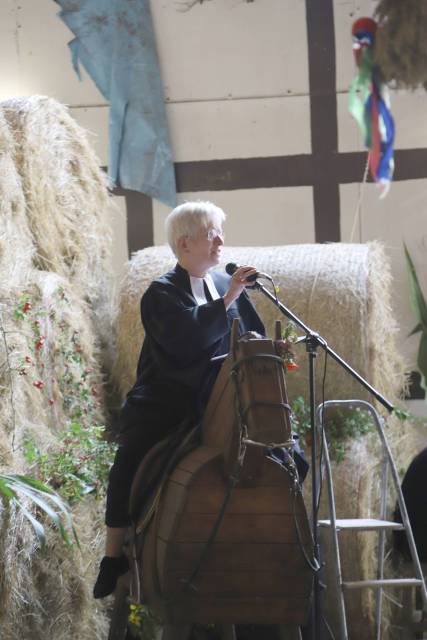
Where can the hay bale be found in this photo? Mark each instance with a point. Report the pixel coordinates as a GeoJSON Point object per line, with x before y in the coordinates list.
{"type": "Point", "coordinates": [50, 372]}
{"type": "Point", "coordinates": [400, 46]}
{"type": "Point", "coordinates": [52, 359]}
{"type": "Point", "coordinates": [16, 246]}
{"type": "Point", "coordinates": [66, 198]}
{"type": "Point", "coordinates": [55, 333]}
{"type": "Point", "coordinates": [341, 291]}
{"type": "Point", "coordinates": [49, 598]}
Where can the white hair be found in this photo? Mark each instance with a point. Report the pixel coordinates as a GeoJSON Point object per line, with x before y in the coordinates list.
{"type": "Point", "coordinates": [189, 218]}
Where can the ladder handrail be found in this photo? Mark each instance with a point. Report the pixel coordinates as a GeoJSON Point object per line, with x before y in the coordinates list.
{"type": "Point", "coordinates": [332, 514]}
{"type": "Point", "coordinates": [388, 457]}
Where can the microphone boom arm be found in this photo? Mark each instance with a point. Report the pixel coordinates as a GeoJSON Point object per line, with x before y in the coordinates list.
{"type": "Point", "coordinates": [319, 341]}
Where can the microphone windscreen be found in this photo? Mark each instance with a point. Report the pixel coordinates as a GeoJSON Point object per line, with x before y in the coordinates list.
{"type": "Point", "coordinates": [231, 267]}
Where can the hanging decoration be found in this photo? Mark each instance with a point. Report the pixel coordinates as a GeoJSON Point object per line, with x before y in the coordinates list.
{"type": "Point", "coordinates": [115, 43]}
{"type": "Point", "coordinates": [369, 105]}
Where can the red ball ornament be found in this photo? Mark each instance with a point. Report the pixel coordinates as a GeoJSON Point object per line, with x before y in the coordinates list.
{"type": "Point", "coordinates": [363, 32]}
{"type": "Point", "coordinates": [367, 25]}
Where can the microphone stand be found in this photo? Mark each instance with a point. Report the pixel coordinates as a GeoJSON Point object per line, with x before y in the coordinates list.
{"type": "Point", "coordinates": [313, 340]}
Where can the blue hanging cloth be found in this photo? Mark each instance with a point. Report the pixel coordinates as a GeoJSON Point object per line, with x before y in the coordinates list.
{"type": "Point", "coordinates": [114, 41]}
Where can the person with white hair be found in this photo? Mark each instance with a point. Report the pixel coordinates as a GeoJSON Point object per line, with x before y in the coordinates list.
{"type": "Point", "coordinates": [187, 316]}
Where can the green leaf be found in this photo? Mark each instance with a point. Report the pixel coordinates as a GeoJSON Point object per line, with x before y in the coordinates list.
{"type": "Point", "coordinates": [56, 518]}
{"type": "Point", "coordinates": [402, 414]}
{"type": "Point", "coordinates": [31, 482]}
{"type": "Point", "coordinates": [417, 300]}
{"type": "Point", "coordinates": [5, 490]}
{"type": "Point", "coordinates": [37, 526]}
{"type": "Point", "coordinates": [415, 330]}
{"type": "Point", "coordinates": [40, 494]}
{"type": "Point", "coordinates": [422, 360]}
{"type": "Point", "coordinates": [40, 502]}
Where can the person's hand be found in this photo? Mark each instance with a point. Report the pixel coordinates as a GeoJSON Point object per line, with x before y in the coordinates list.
{"type": "Point", "coordinates": [237, 283]}
{"type": "Point", "coordinates": [251, 335]}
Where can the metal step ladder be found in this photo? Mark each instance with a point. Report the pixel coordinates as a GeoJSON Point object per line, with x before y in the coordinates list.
{"type": "Point", "coordinates": [366, 524]}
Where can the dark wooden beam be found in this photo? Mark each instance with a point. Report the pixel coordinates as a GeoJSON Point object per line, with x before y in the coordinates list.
{"type": "Point", "coordinates": [244, 173]}
{"type": "Point", "coordinates": [289, 171]}
{"type": "Point", "coordinates": [323, 118]}
{"type": "Point", "coordinates": [139, 214]}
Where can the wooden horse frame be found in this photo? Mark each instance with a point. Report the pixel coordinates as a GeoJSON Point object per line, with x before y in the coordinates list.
{"type": "Point", "coordinates": [227, 539]}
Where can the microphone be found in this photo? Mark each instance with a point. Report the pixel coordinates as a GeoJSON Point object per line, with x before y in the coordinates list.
{"type": "Point", "coordinates": [231, 267]}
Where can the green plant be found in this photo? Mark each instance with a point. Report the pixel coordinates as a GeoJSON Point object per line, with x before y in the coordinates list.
{"type": "Point", "coordinates": [144, 624]}
{"type": "Point", "coordinates": [55, 361]}
{"type": "Point", "coordinates": [419, 307]}
{"type": "Point", "coordinates": [14, 487]}
{"type": "Point", "coordinates": [341, 426]}
{"type": "Point", "coordinates": [78, 465]}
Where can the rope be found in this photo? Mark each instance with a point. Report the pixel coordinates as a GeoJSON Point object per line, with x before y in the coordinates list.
{"type": "Point", "coordinates": [189, 583]}
{"type": "Point", "coordinates": [359, 202]}
{"type": "Point", "coordinates": [256, 356]}
{"type": "Point", "coordinates": [271, 445]}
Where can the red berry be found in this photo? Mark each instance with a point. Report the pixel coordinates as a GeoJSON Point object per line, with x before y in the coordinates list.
{"type": "Point", "coordinates": [39, 384]}
{"type": "Point", "coordinates": [39, 343]}
{"type": "Point", "coordinates": [27, 307]}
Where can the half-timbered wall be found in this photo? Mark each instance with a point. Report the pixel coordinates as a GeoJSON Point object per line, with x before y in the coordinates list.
{"type": "Point", "coordinates": [256, 95]}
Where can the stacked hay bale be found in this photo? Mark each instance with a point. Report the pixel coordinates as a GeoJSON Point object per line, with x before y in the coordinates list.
{"type": "Point", "coordinates": [54, 323]}
{"type": "Point", "coordinates": [342, 292]}
{"type": "Point", "coordinates": [66, 199]}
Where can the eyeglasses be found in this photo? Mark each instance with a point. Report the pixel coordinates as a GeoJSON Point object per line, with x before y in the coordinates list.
{"type": "Point", "coordinates": [213, 234]}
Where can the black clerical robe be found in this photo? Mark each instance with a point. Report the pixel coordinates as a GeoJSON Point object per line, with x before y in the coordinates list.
{"type": "Point", "coordinates": [181, 337]}
{"type": "Point", "coordinates": [175, 373]}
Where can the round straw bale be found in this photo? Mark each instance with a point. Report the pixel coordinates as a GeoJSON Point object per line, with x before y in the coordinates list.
{"type": "Point", "coordinates": [66, 198]}
{"type": "Point", "coordinates": [340, 291]}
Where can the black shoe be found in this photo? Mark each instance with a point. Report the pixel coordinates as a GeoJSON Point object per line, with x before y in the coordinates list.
{"type": "Point", "coordinates": [110, 571]}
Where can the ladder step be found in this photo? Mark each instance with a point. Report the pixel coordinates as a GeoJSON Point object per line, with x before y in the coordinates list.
{"type": "Point", "coordinates": [376, 584]}
{"type": "Point", "coordinates": [362, 524]}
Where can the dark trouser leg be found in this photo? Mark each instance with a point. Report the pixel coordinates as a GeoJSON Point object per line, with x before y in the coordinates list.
{"type": "Point", "coordinates": [134, 445]}
{"type": "Point", "coordinates": [145, 430]}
